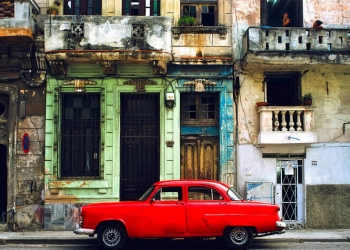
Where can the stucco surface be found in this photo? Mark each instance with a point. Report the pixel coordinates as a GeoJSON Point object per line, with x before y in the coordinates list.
{"type": "Point", "coordinates": [328, 206]}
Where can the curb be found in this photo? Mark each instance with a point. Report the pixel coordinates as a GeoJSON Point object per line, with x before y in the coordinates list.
{"type": "Point", "coordinates": [55, 241]}
{"type": "Point", "coordinates": [93, 240]}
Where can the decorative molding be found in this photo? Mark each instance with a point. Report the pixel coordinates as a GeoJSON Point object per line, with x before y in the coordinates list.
{"type": "Point", "coordinates": [178, 30]}
{"type": "Point", "coordinates": [29, 76]}
{"type": "Point", "coordinates": [108, 67]}
{"type": "Point", "coordinates": [140, 84]}
{"type": "Point", "coordinates": [58, 67]}
{"type": "Point", "coordinates": [79, 84]}
{"type": "Point", "coordinates": [199, 84]}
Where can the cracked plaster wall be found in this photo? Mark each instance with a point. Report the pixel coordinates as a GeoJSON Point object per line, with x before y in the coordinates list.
{"type": "Point", "coordinates": [30, 166]}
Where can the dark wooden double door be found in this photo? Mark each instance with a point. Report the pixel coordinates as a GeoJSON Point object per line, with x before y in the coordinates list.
{"type": "Point", "coordinates": [140, 150]}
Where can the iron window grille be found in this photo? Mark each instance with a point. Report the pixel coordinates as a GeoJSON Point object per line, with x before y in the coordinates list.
{"type": "Point", "coordinates": [80, 135]}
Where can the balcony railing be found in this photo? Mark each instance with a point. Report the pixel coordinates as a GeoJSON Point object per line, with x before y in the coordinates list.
{"type": "Point", "coordinates": [286, 124]}
{"type": "Point", "coordinates": [295, 39]}
{"type": "Point", "coordinates": [108, 40]}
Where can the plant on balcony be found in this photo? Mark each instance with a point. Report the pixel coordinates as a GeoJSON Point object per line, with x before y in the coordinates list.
{"type": "Point", "coordinates": [187, 21]}
{"type": "Point", "coordinates": [307, 99]}
{"type": "Point", "coordinates": [52, 10]}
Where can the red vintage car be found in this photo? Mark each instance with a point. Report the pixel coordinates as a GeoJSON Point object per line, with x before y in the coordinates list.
{"type": "Point", "coordinates": [181, 209]}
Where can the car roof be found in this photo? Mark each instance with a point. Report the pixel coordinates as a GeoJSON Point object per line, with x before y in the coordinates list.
{"type": "Point", "coordinates": [191, 182]}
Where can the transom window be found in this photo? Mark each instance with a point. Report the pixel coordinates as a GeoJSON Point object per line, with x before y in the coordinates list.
{"type": "Point", "coordinates": [204, 11]}
{"type": "Point", "coordinates": [80, 135]}
{"type": "Point", "coordinates": [141, 7]}
{"type": "Point", "coordinates": [199, 108]}
{"type": "Point", "coordinates": [82, 7]}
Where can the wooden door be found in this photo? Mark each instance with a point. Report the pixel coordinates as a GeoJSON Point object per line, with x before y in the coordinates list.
{"type": "Point", "coordinates": [199, 157]}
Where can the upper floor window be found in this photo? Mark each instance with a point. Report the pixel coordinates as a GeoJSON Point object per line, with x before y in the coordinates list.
{"type": "Point", "coordinates": [283, 88]}
{"type": "Point", "coordinates": [204, 11]}
{"type": "Point", "coordinates": [272, 12]}
{"type": "Point", "coordinates": [141, 7]}
{"type": "Point", "coordinates": [82, 7]}
{"type": "Point", "coordinates": [197, 109]}
{"type": "Point", "coordinates": [80, 135]}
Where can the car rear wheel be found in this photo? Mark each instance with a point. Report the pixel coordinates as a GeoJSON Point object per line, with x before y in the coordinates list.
{"type": "Point", "coordinates": [239, 237]}
{"type": "Point", "coordinates": [111, 236]}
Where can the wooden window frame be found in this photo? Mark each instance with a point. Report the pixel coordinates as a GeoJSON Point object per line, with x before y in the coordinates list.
{"type": "Point", "coordinates": [199, 110]}
{"type": "Point", "coordinates": [199, 8]}
{"type": "Point", "coordinates": [85, 7]}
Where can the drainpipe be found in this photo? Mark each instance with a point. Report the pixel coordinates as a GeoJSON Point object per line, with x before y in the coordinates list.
{"type": "Point", "coordinates": [236, 88]}
{"type": "Point", "coordinates": [344, 127]}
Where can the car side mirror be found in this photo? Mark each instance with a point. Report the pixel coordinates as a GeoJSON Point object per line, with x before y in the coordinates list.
{"type": "Point", "coordinates": [153, 200]}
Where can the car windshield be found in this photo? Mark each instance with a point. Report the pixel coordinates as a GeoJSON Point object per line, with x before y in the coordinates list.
{"type": "Point", "coordinates": [146, 194]}
{"type": "Point", "coordinates": [234, 195]}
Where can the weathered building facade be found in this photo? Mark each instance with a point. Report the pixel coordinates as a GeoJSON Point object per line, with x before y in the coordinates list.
{"type": "Point", "coordinates": [289, 153]}
{"type": "Point", "coordinates": [126, 109]}
{"type": "Point", "coordinates": [22, 114]}
{"type": "Point", "coordinates": [132, 97]}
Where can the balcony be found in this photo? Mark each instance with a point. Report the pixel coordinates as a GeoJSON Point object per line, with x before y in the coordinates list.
{"type": "Point", "coordinates": [108, 40]}
{"type": "Point", "coordinates": [296, 47]}
{"type": "Point", "coordinates": [16, 21]}
{"type": "Point", "coordinates": [286, 125]}
{"type": "Point", "coordinates": [198, 45]}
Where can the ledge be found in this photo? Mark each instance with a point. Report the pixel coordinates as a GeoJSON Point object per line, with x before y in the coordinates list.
{"type": "Point", "coordinates": [86, 184]}
{"type": "Point", "coordinates": [287, 137]}
{"type": "Point", "coordinates": [178, 30]}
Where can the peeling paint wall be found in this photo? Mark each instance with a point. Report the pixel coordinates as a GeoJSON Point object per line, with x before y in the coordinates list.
{"type": "Point", "coordinates": [328, 82]}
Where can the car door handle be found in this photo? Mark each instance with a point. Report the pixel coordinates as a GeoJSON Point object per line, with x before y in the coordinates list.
{"type": "Point", "coordinates": [223, 203]}
{"type": "Point", "coordinates": [180, 203]}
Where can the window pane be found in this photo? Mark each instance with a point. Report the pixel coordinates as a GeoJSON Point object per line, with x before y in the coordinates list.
{"type": "Point", "coordinates": [82, 7]}
{"type": "Point", "coordinates": [155, 8]}
{"type": "Point", "coordinates": [208, 108]}
{"type": "Point", "coordinates": [189, 11]}
{"type": "Point", "coordinates": [203, 194]}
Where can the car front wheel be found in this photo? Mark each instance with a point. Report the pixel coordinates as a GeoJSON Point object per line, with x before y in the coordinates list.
{"type": "Point", "coordinates": [111, 236]}
{"type": "Point", "coordinates": [239, 237]}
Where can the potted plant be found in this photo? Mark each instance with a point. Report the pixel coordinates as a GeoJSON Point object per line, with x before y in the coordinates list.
{"type": "Point", "coordinates": [307, 99]}
{"type": "Point", "coordinates": [187, 21]}
{"type": "Point", "coordinates": [52, 10]}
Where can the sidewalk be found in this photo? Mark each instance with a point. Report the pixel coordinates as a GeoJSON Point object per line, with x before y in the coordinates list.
{"type": "Point", "coordinates": [68, 237]}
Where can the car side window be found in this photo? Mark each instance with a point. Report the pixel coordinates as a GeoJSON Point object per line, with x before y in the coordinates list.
{"type": "Point", "coordinates": [203, 194]}
{"type": "Point", "coordinates": [168, 194]}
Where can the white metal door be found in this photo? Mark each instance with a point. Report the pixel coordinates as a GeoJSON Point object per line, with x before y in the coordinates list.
{"type": "Point", "coordinates": [289, 193]}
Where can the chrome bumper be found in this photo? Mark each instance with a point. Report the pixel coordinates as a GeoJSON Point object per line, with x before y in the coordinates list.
{"type": "Point", "coordinates": [281, 224]}
{"type": "Point", "coordinates": [79, 230]}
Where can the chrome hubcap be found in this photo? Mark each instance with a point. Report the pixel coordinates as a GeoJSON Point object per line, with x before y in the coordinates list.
{"type": "Point", "coordinates": [239, 235]}
{"type": "Point", "coordinates": [111, 237]}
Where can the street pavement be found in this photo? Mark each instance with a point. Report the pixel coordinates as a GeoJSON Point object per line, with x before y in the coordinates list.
{"type": "Point", "coordinates": [68, 237]}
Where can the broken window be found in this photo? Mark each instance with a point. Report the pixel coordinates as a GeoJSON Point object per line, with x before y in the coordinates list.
{"type": "Point", "coordinates": [283, 89]}
{"type": "Point", "coordinates": [141, 7]}
{"type": "Point", "coordinates": [272, 12]}
{"type": "Point", "coordinates": [82, 7]}
{"type": "Point", "coordinates": [80, 135]}
{"type": "Point", "coordinates": [204, 11]}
